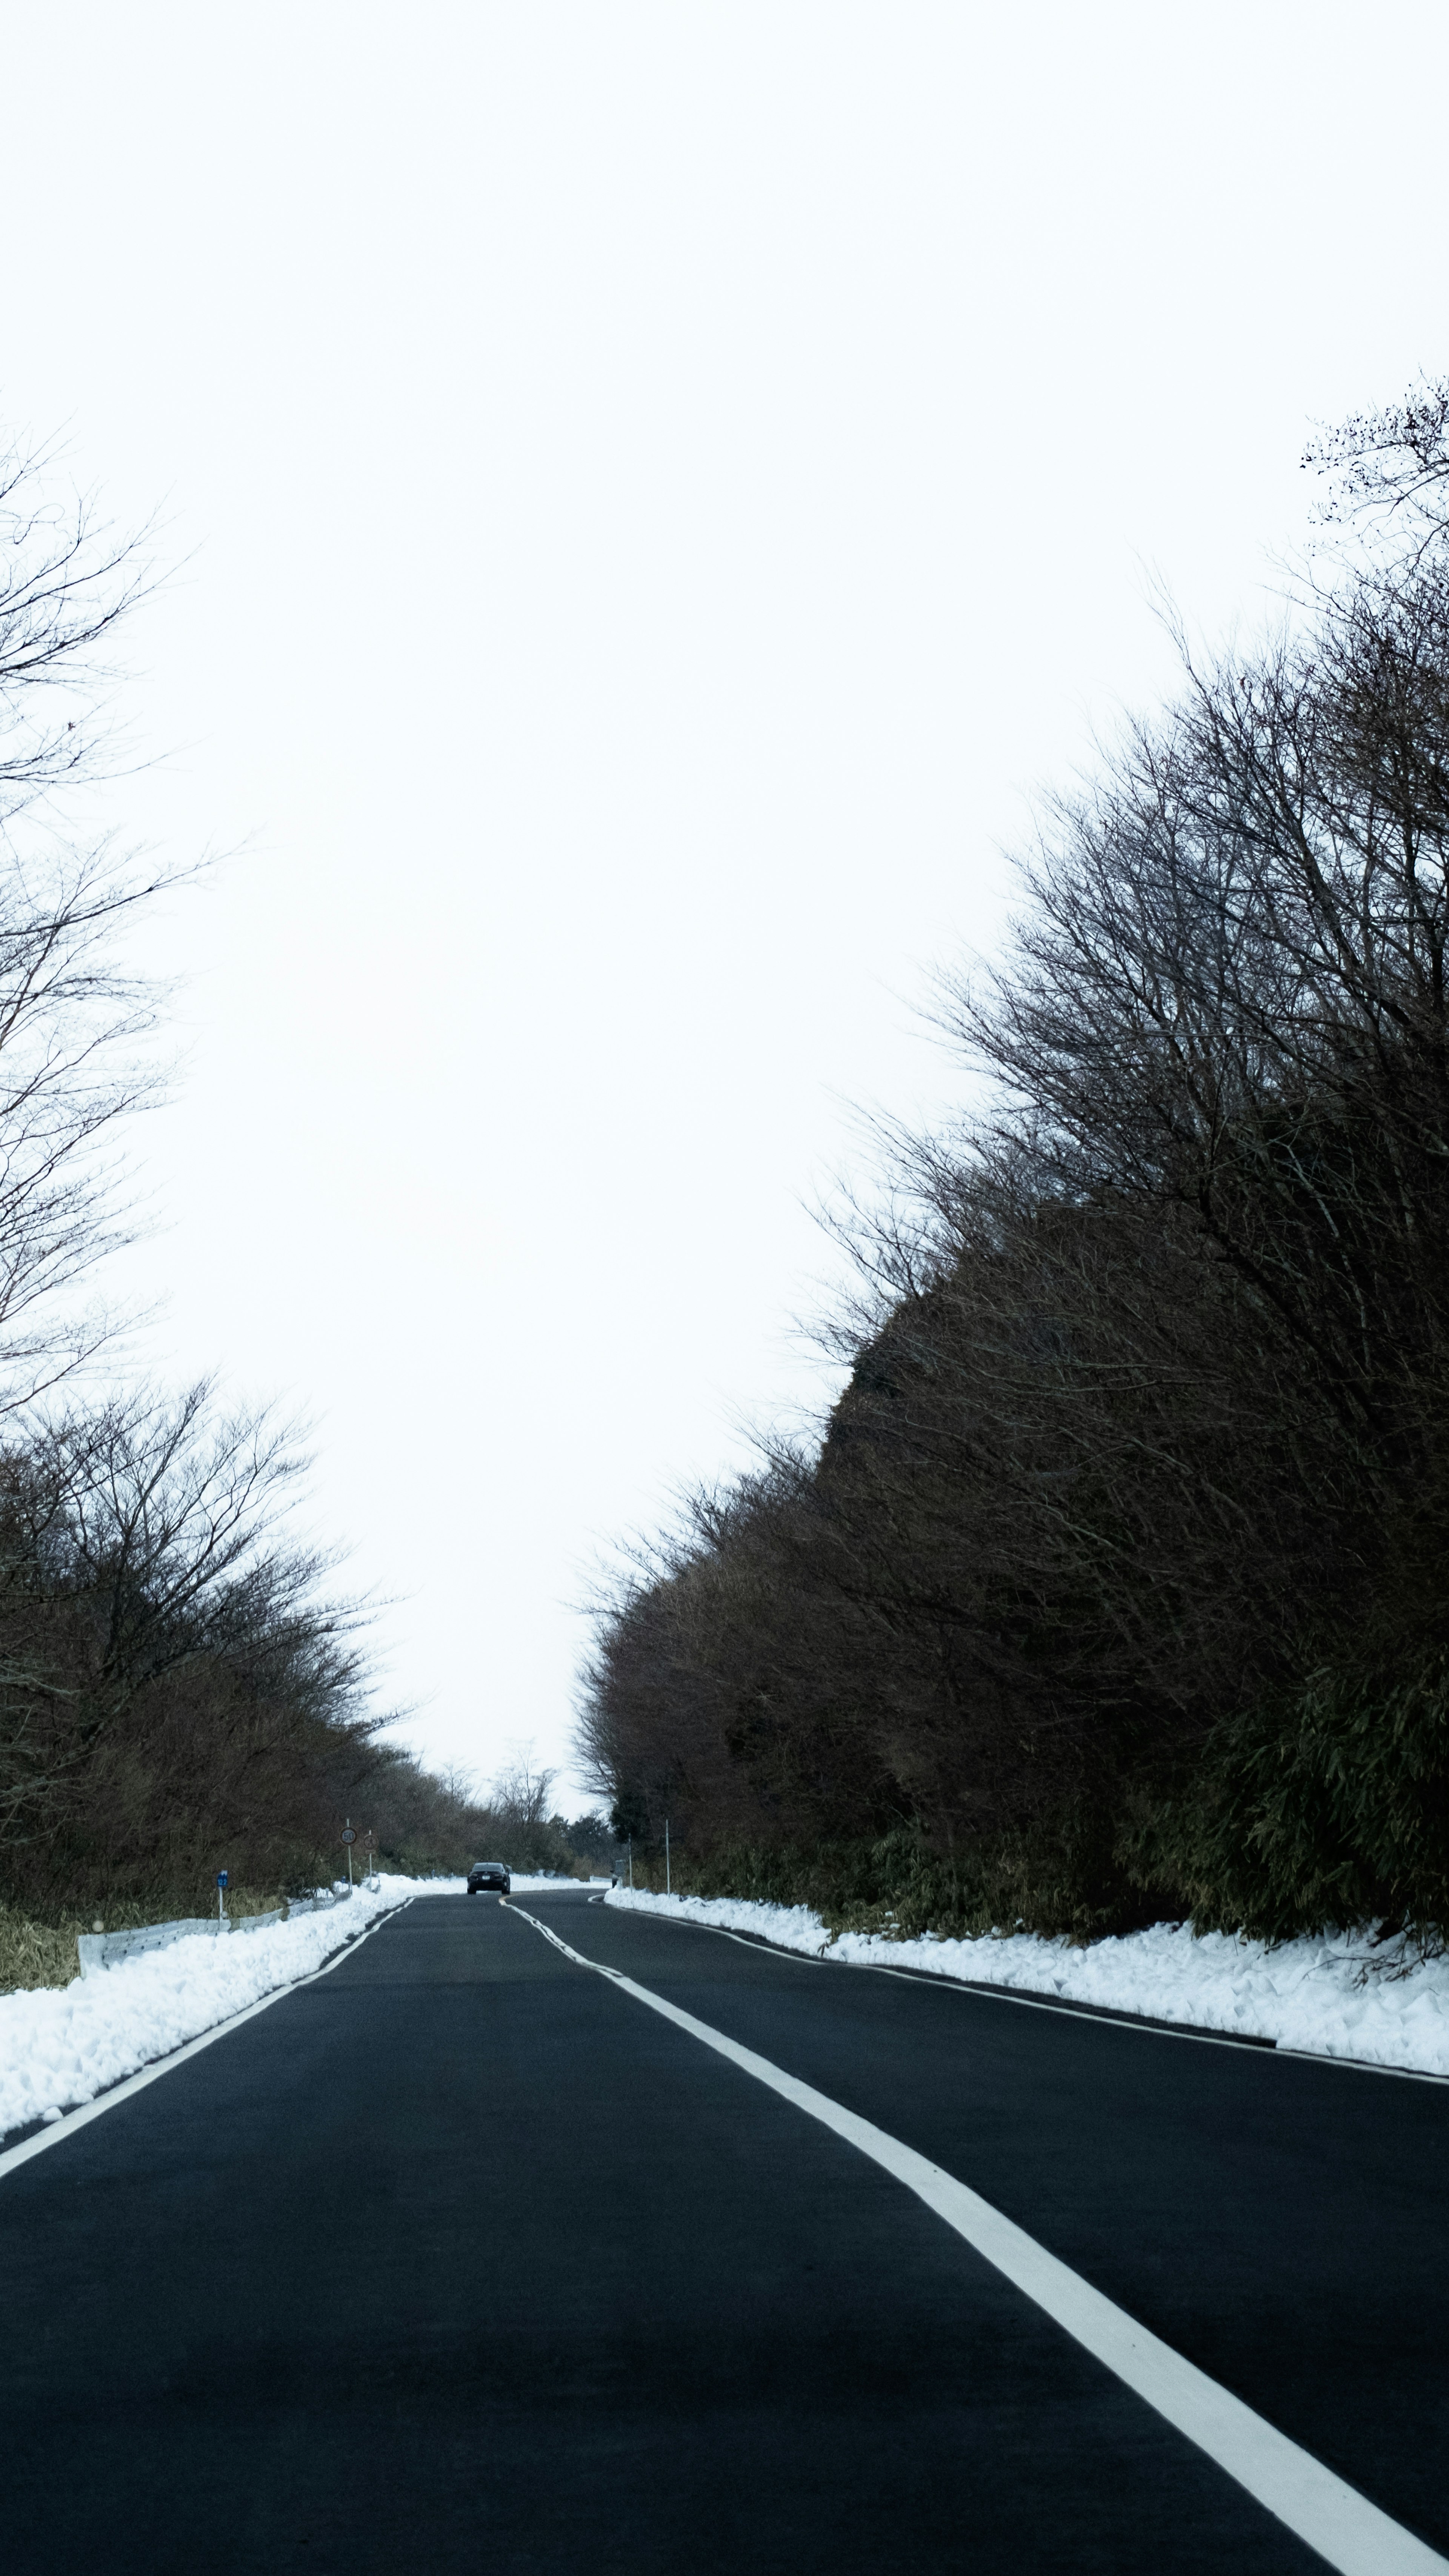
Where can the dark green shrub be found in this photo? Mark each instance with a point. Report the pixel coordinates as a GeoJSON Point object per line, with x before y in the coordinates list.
{"type": "Point", "coordinates": [1052, 1878]}
{"type": "Point", "coordinates": [1328, 1804]}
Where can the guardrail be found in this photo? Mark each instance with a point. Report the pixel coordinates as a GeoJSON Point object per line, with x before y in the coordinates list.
{"type": "Point", "coordinates": [102, 1950]}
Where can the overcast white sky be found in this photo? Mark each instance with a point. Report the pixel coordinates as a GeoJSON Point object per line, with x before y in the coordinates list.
{"type": "Point", "coordinates": [661, 484]}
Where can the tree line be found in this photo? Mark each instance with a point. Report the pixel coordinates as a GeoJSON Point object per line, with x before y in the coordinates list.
{"type": "Point", "coordinates": [183, 1684]}
{"type": "Point", "coordinates": [1114, 1587]}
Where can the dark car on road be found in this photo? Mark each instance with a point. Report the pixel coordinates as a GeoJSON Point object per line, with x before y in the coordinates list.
{"type": "Point", "coordinates": [489, 1873]}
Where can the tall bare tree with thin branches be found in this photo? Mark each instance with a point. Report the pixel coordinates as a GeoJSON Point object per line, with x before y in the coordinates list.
{"type": "Point", "coordinates": [75, 1014]}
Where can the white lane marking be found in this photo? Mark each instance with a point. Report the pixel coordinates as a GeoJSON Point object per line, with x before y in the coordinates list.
{"type": "Point", "coordinates": [1347, 2531]}
{"type": "Point", "coordinates": [1115, 2016]}
{"type": "Point", "coordinates": [145, 2075]}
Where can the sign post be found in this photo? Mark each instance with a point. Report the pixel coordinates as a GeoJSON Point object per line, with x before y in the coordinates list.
{"type": "Point", "coordinates": [349, 1837]}
{"type": "Point", "coordinates": [221, 1886]}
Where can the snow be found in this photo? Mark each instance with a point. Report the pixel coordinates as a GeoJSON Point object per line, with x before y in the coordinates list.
{"type": "Point", "coordinates": [61, 2046]}
{"type": "Point", "coordinates": [1339, 1994]}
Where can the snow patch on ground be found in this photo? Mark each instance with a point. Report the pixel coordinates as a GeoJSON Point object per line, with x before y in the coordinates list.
{"type": "Point", "coordinates": [61, 2046]}
{"type": "Point", "coordinates": [1339, 1995]}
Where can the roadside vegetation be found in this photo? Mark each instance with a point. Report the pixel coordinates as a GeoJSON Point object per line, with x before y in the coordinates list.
{"type": "Point", "coordinates": [1114, 1587]}
{"type": "Point", "coordinates": [183, 1683]}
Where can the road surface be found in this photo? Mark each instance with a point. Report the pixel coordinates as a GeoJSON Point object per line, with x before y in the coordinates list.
{"type": "Point", "coordinates": [463, 2256]}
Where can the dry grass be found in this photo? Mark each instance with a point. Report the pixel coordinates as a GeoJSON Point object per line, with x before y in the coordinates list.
{"type": "Point", "coordinates": [45, 1954]}
{"type": "Point", "coordinates": [36, 1954]}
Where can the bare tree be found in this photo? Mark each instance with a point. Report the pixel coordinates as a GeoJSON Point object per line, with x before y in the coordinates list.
{"type": "Point", "coordinates": [522, 1792]}
{"type": "Point", "coordinates": [137, 1540]}
{"type": "Point", "coordinates": [75, 1016]}
{"type": "Point", "coordinates": [1147, 1420]}
{"type": "Point", "coordinates": [68, 579]}
{"type": "Point", "coordinates": [1391, 464]}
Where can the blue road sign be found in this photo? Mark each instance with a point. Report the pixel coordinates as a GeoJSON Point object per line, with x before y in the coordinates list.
{"type": "Point", "coordinates": [221, 1878]}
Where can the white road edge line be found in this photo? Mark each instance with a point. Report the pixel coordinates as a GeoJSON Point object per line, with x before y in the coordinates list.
{"type": "Point", "coordinates": [1116, 2016]}
{"type": "Point", "coordinates": [122, 2092]}
{"type": "Point", "coordinates": [1348, 2532]}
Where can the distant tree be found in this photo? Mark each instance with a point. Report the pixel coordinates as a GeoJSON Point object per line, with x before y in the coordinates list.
{"type": "Point", "coordinates": [523, 1789]}
{"type": "Point", "coordinates": [528, 1833]}
{"type": "Point", "coordinates": [135, 1540]}
{"type": "Point", "coordinates": [591, 1837]}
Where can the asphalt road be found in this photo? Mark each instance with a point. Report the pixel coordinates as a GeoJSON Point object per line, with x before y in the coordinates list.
{"type": "Point", "coordinates": [461, 2257]}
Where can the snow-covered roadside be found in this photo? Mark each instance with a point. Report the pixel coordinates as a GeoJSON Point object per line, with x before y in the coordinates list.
{"type": "Point", "coordinates": [61, 2046]}
{"type": "Point", "coordinates": [1337, 1995]}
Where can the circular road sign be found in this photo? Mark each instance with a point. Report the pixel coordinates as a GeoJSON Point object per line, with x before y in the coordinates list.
{"type": "Point", "coordinates": [349, 1836]}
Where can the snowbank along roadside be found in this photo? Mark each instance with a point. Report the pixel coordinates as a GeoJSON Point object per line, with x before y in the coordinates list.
{"type": "Point", "coordinates": [1339, 1995]}
{"type": "Point", "coordinates": [61, 2046]}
